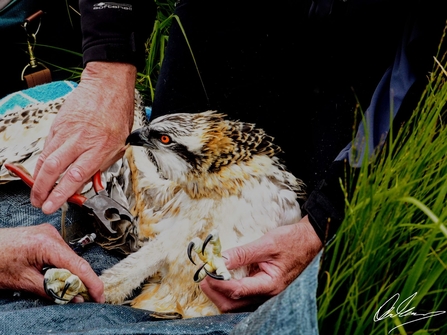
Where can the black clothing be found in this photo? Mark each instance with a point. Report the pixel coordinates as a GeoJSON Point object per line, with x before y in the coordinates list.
{"type": "Point", "coordinates": [114, 31]}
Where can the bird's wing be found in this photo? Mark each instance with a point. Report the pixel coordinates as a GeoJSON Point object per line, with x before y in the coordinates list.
{"type": "Point", "coordinates": [22, 135]}
{"type": "Point", "coordinates": [23, 132]}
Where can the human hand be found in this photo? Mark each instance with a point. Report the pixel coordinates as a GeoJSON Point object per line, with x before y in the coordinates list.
{"type": "Point", "coordinates": [279, 257]}
{"type": "Point", "coordinates": [26, 250]}
{"type": "Point", "coordinates": [88, 134]}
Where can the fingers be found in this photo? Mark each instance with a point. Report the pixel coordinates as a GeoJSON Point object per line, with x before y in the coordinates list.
{"type": "Point", "coordinates": [82, 269]}
{"type": "Point", "coordinates": [88, 133]}
{"type": "Point", "coordinates": [58, 254]}
{"type": "Point", "coordinates": [31, 281]}
{"type": "Point", "coordinates": [44, 194]}
{"type": "Point", "coordinates": [27, 250]}
{"type": "Point", "coordinates": [80, 170]}
{"type": "Point", "coordinates": [278, 257]}
{"type": "Point", "coordinates": [257, 251]}
{"type": "Point", "coordinates": [245, 294]}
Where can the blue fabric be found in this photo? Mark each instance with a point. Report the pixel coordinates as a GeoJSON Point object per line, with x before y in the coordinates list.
{"type": "Point", "coordinates": [40, 93]}
{"type": "Point", "coordinates": [15, 13]}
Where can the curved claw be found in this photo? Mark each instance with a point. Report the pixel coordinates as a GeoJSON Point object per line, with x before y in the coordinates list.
{"type": "Point", "coordinates": [212, 275]}
{"type": "Point", "coordinates": [67, 285]}
{"type": "Point", "coordinates": [52, 294]}
{"type": "Point", "coordinates": [196, 275]}
{"type": "Point", "coordinates": [190, 247]}
{"type": "Point", "coordinates": [205, 242]}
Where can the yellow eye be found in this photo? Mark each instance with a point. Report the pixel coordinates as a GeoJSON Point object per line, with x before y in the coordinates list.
{"type": "Point", "coordinates": [165, 139]}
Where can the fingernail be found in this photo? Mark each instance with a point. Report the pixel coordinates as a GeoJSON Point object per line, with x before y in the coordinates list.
{"type": "Point", "coordinates": [102, 299]}
{"type": "Point", "coordinates": [47, 207]}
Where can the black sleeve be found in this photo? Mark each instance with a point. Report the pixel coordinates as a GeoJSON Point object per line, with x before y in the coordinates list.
{"type": "Point", "coordinates": [116, 32]}
{"type": "Point", "coordinates": [325, 205]}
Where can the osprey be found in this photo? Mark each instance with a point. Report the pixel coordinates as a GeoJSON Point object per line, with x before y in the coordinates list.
{"type": "Point", "coordinates": [196, 183]}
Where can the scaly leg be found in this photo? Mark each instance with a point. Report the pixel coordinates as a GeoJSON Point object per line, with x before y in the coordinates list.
{"type": "Point", "coordinates": [119, 281]}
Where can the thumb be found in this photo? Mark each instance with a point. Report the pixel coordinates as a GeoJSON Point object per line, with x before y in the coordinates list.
{"type": "Point", "coordinates": [253, 252]}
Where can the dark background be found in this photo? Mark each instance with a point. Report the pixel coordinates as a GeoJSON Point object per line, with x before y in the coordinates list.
{"type": "Point", "coordinates": [60, 28]}
{"type": "Point", "coordinates": [296, 76]}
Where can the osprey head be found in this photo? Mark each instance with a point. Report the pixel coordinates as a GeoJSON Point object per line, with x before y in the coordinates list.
{"type": "Point", "coordinates": [187, 145]}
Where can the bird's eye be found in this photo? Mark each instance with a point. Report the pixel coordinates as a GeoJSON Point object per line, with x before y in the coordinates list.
{"type": "Point", "coordinates": [165, 139]}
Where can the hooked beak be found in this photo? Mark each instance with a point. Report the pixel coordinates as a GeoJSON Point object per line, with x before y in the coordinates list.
{"type": "Point", "coordinates": [136, 138]}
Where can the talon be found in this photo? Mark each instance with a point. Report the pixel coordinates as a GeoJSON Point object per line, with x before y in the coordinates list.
{"type": "Point", "coordinates": [67, 285]}
{"type": "Point", "coordinates": [212, 275]}
{"type": "Point", "coordinates": [190, 247]}
{"type": "Point", "coordinates": [207, 240]}
{"type": "Point", "coordinates": [196, 275]}
{"type": "Point", "coordinates": [62, 286]}
{"type": "Point", "coordinates": [52, 294]}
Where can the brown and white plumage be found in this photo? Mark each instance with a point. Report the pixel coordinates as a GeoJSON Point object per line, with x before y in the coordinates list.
{"type": "Point", "coordinates": [184, 176]}
{"type": "Point", "coordinates": [22, 135]}
{"type": "Point", "coordinates": [208, 173]}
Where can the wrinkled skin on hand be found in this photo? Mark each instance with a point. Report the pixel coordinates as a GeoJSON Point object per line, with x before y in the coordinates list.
{"type": "Point", "coordinates": [88, 134]}
{"type": "Point", "coordinates": [277, 259]}
{"type": "Point", "coordinates": [26, 250]}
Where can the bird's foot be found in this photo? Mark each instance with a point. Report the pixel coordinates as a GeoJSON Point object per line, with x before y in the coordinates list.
{"type": "Point", "coordinates": [209, 252]}
{"type": "Point", "coordinates": [63, 286]}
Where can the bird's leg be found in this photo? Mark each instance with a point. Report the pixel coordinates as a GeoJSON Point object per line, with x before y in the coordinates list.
{"type": "Point", "coordinates": [213, 262]}
{"type": "Point", "coordinates": [63, 286]}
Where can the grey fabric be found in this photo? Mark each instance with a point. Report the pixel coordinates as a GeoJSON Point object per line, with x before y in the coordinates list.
{"type": "Point", "coordinates": [90, 318]}
{"type": "Point", "coordinates": [292, 312]}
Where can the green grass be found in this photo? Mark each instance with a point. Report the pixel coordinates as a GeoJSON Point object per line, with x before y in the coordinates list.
{"type": "Point", "coordinates": [155, 48]}
{"type": "Point", "coordinates": [394, 237]}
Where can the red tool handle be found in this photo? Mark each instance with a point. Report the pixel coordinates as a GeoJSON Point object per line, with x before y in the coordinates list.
{"type": "Point", "coordinates": [22, 174]}
{"type": "Point", "coordinates": [28, 179]}
{"type": "Point", "coordinates": [97, 184]}
{"type": "Point", "coordinates": [77, 199]}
